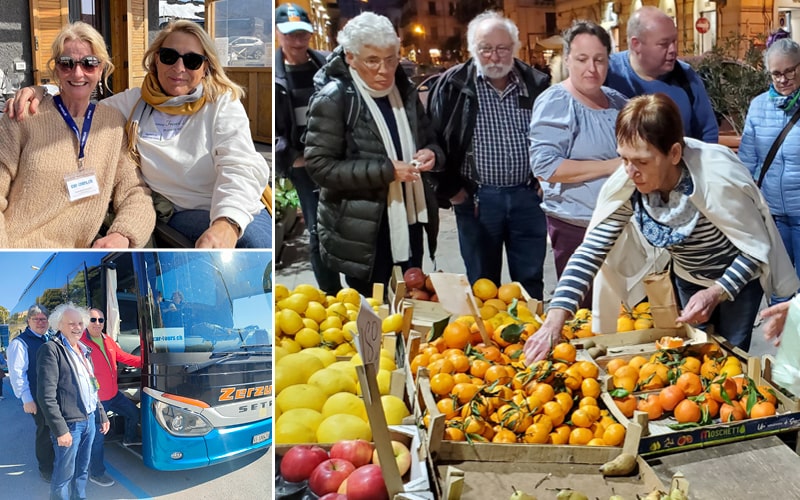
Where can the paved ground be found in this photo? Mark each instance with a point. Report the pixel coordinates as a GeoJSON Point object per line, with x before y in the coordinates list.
{"type": "Point", "coordinates": [293, 267]}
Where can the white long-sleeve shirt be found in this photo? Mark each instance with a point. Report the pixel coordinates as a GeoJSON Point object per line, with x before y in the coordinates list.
{"type": "Point", "coordinates": [17, 354]}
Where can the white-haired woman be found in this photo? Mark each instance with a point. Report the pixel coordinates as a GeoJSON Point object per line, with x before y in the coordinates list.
{"type": "Point", "coordinates": [769, 113]}
{"type": "Point", "coordinates": [369, 148]}
{"type": "Point", "coordinates": [67, 393]}
{"type": "Point", "coordinates": [190, 131]}
{"type": "Point", "coordinates": [60, 169]}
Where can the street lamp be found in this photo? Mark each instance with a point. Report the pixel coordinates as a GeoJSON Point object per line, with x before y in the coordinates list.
{"type": "Point", "coordinates": [418, 30]}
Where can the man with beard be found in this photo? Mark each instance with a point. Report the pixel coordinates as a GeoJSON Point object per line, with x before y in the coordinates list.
{"type": "Point", "coordinates": [651, 65]}
{"type": "Point", "coordinates": [481, 112]}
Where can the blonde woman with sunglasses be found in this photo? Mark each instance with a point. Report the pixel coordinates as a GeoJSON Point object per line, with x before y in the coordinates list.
{"type": "Point", "coordinates": [192, 137]}
{"type": "Point", "coordinates": [60, 169]}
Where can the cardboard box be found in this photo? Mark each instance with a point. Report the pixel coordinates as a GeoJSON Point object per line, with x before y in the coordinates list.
{"type": "Point", "coordinates": [658, 438]}
{"type": "Point", "coordinates": [639, 341]}
{"type": "Point", "coordinates": [461, 451]}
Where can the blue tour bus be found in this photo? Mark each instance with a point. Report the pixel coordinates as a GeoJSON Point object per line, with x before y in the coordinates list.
{"type": "Point", "coordinates": [201, 322]}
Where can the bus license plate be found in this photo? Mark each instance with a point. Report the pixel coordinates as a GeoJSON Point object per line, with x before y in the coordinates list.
{"type": "Point", "coordinates": [260, 438]}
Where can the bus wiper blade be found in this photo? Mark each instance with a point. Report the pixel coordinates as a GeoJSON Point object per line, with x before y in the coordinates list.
{"type": "Point", "coordinates": [255, 346]}
{"type": "Point", "coordinates": [214, 361]}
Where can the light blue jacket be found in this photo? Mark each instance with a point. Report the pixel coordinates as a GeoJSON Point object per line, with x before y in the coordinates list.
{"type": "Point", "coordinates": [781, 185]}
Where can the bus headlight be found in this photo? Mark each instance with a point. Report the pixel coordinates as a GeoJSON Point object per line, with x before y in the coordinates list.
{"type": "Point", "coordinates": [180, 422]}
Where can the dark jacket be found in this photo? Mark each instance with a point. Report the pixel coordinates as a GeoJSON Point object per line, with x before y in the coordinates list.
{"type": "Point", "coordinates": [288, 145]}
{"type": "Point", "coordinates": [105, 368]}
{"type": "Point", "coordinates": [349, 162]}
{"type": "Point", "coordinates": [453, 109]}
{"type": "Point", "coordinates": [58, 395]}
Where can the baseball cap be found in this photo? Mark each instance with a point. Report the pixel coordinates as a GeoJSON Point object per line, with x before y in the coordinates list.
{"type": "Point", "coordinates": [290, 17]}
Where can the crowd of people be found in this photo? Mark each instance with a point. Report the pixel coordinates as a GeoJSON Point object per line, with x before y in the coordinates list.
{"type": "Point", "coordinates": [618, 163]}
{"type": "Point", "coordinates": [75, 173]}
{"type": "Point", "coordinates": [63, 368]}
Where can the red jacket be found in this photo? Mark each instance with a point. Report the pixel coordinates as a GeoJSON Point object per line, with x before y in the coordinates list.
{"type": "Point", "coordinates": [106, 369]}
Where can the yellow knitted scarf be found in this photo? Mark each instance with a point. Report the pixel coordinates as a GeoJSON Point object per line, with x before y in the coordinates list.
{"type": "Point", "coordinates": [155, 97]}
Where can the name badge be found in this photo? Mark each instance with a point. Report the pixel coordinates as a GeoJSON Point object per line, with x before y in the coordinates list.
{"type": "Point", "coordinates": [81, 185]}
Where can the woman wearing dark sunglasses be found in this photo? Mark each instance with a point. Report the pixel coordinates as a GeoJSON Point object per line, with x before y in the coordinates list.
{"type": "Point", "coordinates": [60, 169]}
{"type": "Point", "coordinates": [192, 136]}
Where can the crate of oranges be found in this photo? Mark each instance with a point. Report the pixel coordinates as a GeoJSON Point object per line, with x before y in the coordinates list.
{"type": "Point", "coordinates": [481, 402]}
{"type": "Point", "coordinates": [694, 396]}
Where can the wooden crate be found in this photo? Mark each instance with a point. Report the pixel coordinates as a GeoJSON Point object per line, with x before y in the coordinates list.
{"type": "Point", "coordinates": [791, 399]}
{"type": "Point", "coordinates": [459, 451]}
{"type": "Point", "coordinates": [417, 483]}
{"type": "Point", "coordinates": [638, 341]}
{"type": "Point", "coordinates": [657, 438]}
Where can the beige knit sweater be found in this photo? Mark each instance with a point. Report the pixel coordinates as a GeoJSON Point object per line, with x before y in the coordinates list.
{"type": "Point", "coordinates": [35, 156]}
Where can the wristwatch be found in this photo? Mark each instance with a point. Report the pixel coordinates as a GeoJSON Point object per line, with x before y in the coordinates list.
{"type": "Point", "coordinates": [234, 224]}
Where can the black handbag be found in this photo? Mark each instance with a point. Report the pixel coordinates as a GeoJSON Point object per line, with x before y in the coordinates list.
{"type": "Point", "coordinates": [776, 145]}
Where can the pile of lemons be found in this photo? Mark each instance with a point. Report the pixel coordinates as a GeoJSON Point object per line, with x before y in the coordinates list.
{"type": "Point", "coordinates": [318, 398]}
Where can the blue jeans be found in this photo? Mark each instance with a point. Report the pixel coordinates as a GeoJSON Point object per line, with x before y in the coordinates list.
{"type": "Point", "coordinates": [308, 192]}
{"type": "Point", "coordinates": [789, 229]}
{"type": "Point", "coordinates": [193, 223]}
{"type": "Point", "coordinates": [71, 468]}
{"type": "Point", "coordinates": [731, 319]}
{"type": "Point", "coordinates": [509, 216]}
{"type": "Point", "coordinates": [124, 407]}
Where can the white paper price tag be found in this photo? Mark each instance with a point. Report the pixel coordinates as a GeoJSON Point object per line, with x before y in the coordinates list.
{"type": "Point", "coordinates": [455, 293]}
{"type": "Point", "coordinates": [369, 338]}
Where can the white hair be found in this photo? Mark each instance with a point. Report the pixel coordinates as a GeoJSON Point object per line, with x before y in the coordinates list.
{"type": "Point", "coordinates": [366, 29]}
{"type": "Point", "coordinates": [783, 47]}
{"type": "Point", "coordinates": [58, 314]}
{"type": "Point", "coordinates": [496, 17]}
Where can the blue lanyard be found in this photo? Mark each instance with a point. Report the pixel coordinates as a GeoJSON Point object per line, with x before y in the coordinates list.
{"type": "Point", "coordinates": [82, 135]}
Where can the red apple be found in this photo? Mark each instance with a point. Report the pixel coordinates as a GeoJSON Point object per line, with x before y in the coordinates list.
{"type": "Point", "coordinates": [356, 451]}
{"type": "Point", "coordinates": [333, 496]}
{"type": "Point", "coordinates": [300, 461]}
{"type": "Point", "coordinates": [401, 455]}
{"type": "Point", "coordinates": [414, 278]}
{"type": "Point", "coordinates": [429, 285]}
{"type": "Point", "coordinates": [328, 475]}
{"type": "Point", "coordinates": [343, 487]}
{"type": "Point", "coordinates": [418, 294]}
{"type": "Point", "coordinates": [366, 483]}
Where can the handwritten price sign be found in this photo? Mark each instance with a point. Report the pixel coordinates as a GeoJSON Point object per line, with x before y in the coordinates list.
{"type": "Point", "coordinates": [369, 337]}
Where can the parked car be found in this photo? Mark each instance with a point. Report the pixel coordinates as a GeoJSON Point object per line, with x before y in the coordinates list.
{"type": "Point", "coordinates": [247, 47]}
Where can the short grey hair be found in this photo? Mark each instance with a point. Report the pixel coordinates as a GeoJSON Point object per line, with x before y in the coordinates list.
{"type": "Point", "coordinates": [37, 309]}
{"type": "Point", "coordinates": [366, 29]}
{"type": "Point", "coordinates": [641, 19]}
{"type": "Point", "coordinates": [497, 17]}
{"type": "Point", "coordinates": [783, 47]}
{"type": "Point", "coordinates": [58, 314]}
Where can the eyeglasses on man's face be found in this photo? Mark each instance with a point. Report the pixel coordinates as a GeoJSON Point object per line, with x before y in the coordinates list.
{"type": "Point", "coordinates": [500, 50]}
{"type": "Point", "coordinates": [191, 60]}
{"type": "Point", "coordinates": [88, 63]}
{"type": "Point", "coordinates": [789, 74]}
{"type": "Point", "coordinates": [39, 319]}
{"type": "Point", "coordinates": [97, 320]}
{"type": "Point", "coordinates": [374, 62]}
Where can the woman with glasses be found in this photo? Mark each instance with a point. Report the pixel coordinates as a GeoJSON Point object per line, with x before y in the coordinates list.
{"type": "Point", "coordinates": [60, 169]}
{"type": "Point", "coordinates": [573, 148]}
{"type": "Point", "coordinates": [369, 148]}
{"type": "Point", "coordinates": [191, 134]}
{"type": "Point", "coordinates": [769, 113]}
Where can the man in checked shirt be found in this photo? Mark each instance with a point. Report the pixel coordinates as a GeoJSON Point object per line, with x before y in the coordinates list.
{"type": "Point", "coordinates": [481, 112]}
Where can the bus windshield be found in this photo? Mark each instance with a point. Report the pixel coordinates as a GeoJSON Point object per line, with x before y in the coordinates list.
{"type": "Point", "coordinates": [209, 302]}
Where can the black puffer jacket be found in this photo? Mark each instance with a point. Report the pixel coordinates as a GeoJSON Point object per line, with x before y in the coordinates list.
{"type": "Point", "coordinates": [349, 163]}
{"type": "Point", "coordinates": [453, 108]}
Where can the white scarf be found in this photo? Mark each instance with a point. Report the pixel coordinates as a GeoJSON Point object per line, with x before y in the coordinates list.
{"type": "Point", "coordinates": [406, 200]}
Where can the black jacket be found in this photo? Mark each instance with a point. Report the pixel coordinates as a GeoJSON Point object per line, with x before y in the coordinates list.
{"type": "Point", "coordinates": [453, 109]}
{"type": "Point", "coordinates": [346, 158]}
{"type": "Point", "coordinates": [57, 394]}
{"type": "Point", "coordinates": [288, 145]}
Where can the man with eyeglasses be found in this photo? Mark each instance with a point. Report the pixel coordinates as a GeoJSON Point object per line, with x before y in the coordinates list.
{"type": "Point", "coordinates": [295, 66]}
{"type": "Point", "coordinates": [105, 353]}
{"type": "Point", "coordinates": [22, 372]}
{"type": "Point", "coordinates": [651, 65]}
{"type": "Point", "coordinates": [481, 113]}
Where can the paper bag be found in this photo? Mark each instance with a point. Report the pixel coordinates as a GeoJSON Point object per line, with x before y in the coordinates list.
{"type": "Point", "coordinates": [663, 303]}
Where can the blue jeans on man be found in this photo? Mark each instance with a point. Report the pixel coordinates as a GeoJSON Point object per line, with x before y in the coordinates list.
{"type": "Point", "coordinates": [71, 467]}
{"type": "Point", "coordinates": [328, 280]}
{"type": "Point", "coordinates": [193, 223]}
{"type": "Point", "coordinates": [510, 217]}
{"type": "Point", "coordinates": [125, 408]}
{"type": "Point", "coordinates": [731, 319]}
